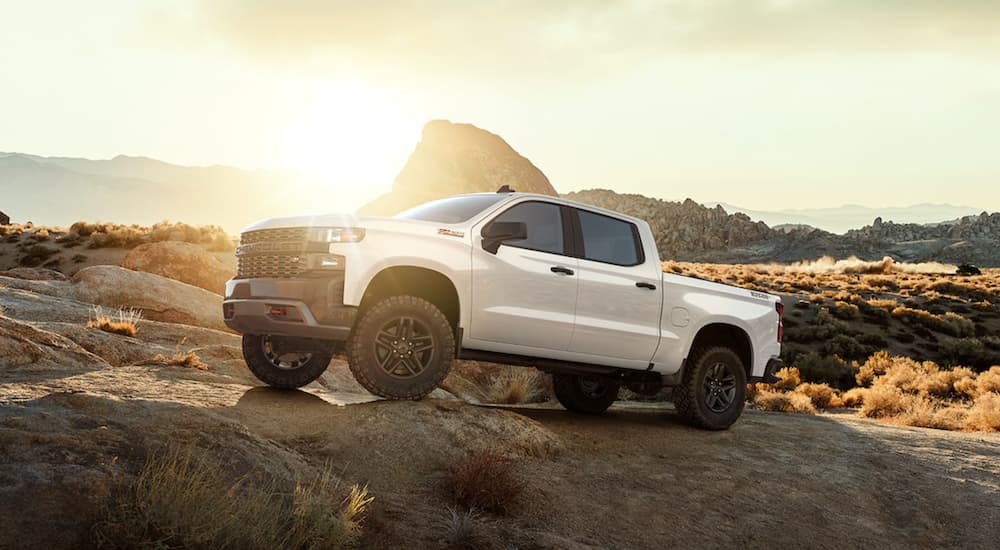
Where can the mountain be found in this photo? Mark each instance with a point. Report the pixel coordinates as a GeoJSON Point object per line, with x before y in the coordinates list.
{"type": "Point", "coordinates": [458, 158]}
{"type": "Point", "coordinates": [841, 219]}
{"type": "Point", "coordinates": [60, 191]}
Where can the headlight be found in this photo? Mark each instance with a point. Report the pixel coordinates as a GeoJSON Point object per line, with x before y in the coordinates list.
{"type": "Point", "coordinates": [336, 234]}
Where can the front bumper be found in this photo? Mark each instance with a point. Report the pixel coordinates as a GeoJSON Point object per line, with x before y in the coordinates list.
{"type": "Point", "coordinates": [773, 366]}
{"type": "Point", "coordinates": [303, 307]}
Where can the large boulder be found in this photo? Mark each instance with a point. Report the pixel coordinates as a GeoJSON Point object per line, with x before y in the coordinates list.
{"type": "Point", "coordinates": [452, 159]}
{"type": "Point", "coordinates": [185, 262]}
{"type": "Point", "coordinates": [159, 298]}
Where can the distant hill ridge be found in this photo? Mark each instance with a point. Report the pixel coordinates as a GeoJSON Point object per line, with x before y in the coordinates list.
{"type": "Point", "coordinates": [691, 231]}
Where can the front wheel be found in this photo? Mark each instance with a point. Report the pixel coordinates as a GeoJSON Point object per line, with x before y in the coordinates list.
{"type": "Point", "coordinates": [712, 390]}
{"type": "Point", "coordinates": [585, 394]}
{"type": "Point", "coordinates": [285, 362]}
{"type": "Point", "coordinates": [401, 348]}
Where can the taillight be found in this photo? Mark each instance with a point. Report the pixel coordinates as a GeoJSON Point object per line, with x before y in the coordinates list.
{"type": "Point", "coordinates": [780, 308]}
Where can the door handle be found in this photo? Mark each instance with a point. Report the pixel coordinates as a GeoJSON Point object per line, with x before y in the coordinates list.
{"type": "Point", "coordinates": [562, 270]}
{"type": "Point", "coordinates": [649, 286]}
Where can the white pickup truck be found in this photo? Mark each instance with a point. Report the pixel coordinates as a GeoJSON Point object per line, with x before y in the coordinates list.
{"type": "Point", "coordinates": [515, 278]}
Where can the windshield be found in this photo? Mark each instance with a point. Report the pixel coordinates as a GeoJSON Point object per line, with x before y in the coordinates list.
{"type": "Point", "coordinates": [452, 209]}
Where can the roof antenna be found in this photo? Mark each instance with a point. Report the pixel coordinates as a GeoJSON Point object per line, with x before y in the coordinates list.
{"type": "Point", "coordinates": [505, 189]}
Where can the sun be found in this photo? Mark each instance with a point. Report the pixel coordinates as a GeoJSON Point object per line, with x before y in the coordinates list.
{"type": "Point", "coordinates": [351, 134]}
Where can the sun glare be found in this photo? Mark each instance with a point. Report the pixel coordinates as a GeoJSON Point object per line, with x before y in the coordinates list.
{"type": "Point", "coordinates": [351, 134]}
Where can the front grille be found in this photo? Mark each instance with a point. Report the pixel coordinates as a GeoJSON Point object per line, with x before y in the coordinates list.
{"type": "Point", "coordinates": [285, 234]}
{"type": "Point", "coordinates": [277, 266]}
{"type": "Point", "coordinates": [272, 253]}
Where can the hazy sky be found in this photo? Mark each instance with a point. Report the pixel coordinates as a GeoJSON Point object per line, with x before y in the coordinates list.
{"type": "Point", "coordinates": [761, 103]}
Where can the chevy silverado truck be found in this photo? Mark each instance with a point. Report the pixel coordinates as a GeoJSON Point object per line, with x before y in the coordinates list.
{"type": "Point", "coordinates": [523, 279]}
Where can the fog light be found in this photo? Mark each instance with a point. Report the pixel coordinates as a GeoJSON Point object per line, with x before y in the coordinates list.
{"type": "Point", "coordinates": [274, 310]}
{"type": "Point", "coordinates": [326, 261]}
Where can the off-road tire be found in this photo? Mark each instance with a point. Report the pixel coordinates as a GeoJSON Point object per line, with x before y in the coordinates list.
{"type": "Point", "coordinates": [268, 373]}
{"type": "Point", "coordinates": [572, 393]}
{"type": "Point", "coordinates": [364, 362]}
{"type": "Point", "coordinates": [690, 397]}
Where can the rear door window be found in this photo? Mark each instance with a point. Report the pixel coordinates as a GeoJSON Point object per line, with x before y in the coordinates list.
{"type": "Point", "coordinates": [610, 240]}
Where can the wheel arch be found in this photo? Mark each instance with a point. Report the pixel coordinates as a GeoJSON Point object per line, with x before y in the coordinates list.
{"type": "Point", "coordinates": [421, 282]}
{"type": "Point", "coordinates": [726, 335]}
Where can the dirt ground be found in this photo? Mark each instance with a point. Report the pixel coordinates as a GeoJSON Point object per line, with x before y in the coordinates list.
{"type": "Point", "coordinates": [638, 478]}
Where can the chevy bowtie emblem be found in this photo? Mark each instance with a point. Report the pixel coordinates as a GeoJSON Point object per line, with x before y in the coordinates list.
{"type": "Point", "coordinates": [450, 232]}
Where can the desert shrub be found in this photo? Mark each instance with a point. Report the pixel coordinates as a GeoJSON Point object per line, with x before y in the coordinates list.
{"type": "Point", "coordinates": [825, 369]}
{"type": "Point", "coordinates": [984, 415]}
{"type": "Point", "coordinates": [37, 254]}
{"type": "Point", "coordinates": [988, 381]}
{"type": "Point", "coordinates": [875, 365]}
{"type": "Point", "coordinates": [881, 283]}
{"type": "Point", "coordinates": [179, 501]}
{"type": "Point", "coordinates": [959, 289]}
{"type": "Point", "coordinates": [822, 396]}
{"type": "Point", "coordinates": [950, 323]}
{"type": "Point", "coordinates": [883, 304]}
{"type": "Point", "coordinates": [872, 340]}
{"type": "Point", "coordinates": [942, 383]}
{"type": "Point", "coordinates": [966, 351]}
{"type": "Point", "coordinates": [845, 311]}
{"type": "Point", "coordinates": [784, 402]}
{"type": "Point", "coordinates": [124, 321]}
{"type": "Point", "coordinates": [853, 397]}
{"type": "Point", "coordinates": [847, 347]}
{"type": "Point", "coordinates": [485, 481]}
{"type": "Point", "coordinates": [788, 378]}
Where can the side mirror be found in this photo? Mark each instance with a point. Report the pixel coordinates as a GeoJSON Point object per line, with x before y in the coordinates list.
{"type": "Point", "coordinates": [497, 233]}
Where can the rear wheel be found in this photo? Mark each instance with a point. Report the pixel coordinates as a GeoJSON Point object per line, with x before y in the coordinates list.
{"type": "Point", "coordinates": [713, 389]}
{"type": "Point", "coordinates": [285, 362]}
{"type": "Point", "coordinates": [401, 348]}
{"type": "Point", "coordinates": [585, 394]}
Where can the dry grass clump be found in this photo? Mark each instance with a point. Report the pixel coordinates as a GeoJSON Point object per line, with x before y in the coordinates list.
{"type": "Point", "coordinates": [767, 400]}
{"type": "Point", "coordinates": [178, 359]}
{"type": "Point", "coordinates": [485, 481]}
{"type": "Point", "coordinates": [124, 321]}
{"type": "Point", "coordinates": [179, 501]}
{"type": "Point", "coordinates": [460, 529]}
{"type": "Point", "coordinates": [517, 385]}
{"type": "Point", "coordinates": [500, 384]}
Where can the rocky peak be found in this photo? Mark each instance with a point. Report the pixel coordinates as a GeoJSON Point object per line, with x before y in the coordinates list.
{"type": "Point", "coordinates": [456, 158]}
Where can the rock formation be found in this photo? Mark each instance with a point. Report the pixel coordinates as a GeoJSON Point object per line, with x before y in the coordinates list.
{"type": "Point", "coordinates": [680, 228]}
{"type": "Point", "coordinates": [458, 158]}
{"type": "Point", "coordinates": [180, 261]}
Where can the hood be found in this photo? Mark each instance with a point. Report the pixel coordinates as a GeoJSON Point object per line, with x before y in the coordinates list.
{"type": "Point", "coordinates": [334, 220]}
